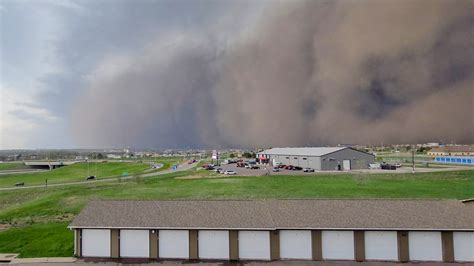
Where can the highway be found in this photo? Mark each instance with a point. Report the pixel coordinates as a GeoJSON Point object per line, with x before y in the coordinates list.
{"type": "Point", "coordinates": [181, 167]}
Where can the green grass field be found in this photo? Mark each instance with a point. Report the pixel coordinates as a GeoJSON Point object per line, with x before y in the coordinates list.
{"type": "Point", "coordinates": [51, 208]}
{"type": "Point", "coordinates": [75, 172]}
{"type": "Point", "coordinates": [38, 240]}
{"type": "Point", "coordinates": [11, 166]}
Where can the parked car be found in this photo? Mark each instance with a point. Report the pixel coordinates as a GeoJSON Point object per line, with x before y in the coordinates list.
{"type": "Point", "coordinates": [254, 167]}
{"type": "Point", "coordinates": [218, 170]}
{"type": "Point", "coordinates": [240, 164]}
{"type": "Point", "coordinates": [297, 168]}
{"type": "Point", "coordinates": [91, 177]}
{"type": "Point", "coordinates": [289, 167]}
{"type": "Point", "coordinates": [276, 169]}
{"type": "Point", "coordinates": [282, 166]}
{"type": "Point", "coordinates": [247, 166]}
{"type": "Point", "coordinates": [375, 165]}
{"type": "Point", "coordinates": [308, 169]}
{"type": "Point", "coordinates": [19, 184]}
{"type": "Point", "coordinates": [230, 172]}
{"type": "Point", "coordinates": [388, 167]}
{"type": "Point", "coordinates": [398, 165]}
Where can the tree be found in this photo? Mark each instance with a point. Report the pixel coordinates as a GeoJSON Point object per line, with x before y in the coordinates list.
{"type": "Point", "coordinates": [231, 155]}
{"type": "Point", "coordinates": [247, 154]}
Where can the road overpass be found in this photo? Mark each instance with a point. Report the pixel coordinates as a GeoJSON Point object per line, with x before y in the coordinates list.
{"type": "Point", "coordinates": [48, 165]}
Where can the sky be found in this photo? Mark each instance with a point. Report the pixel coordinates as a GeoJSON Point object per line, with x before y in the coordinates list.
{"type": "Point", "coordinates": [234, 73]}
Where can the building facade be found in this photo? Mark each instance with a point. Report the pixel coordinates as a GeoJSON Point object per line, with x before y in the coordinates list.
{"type": "Point", "coordinates": [319, 229]}
{"type": "Point", "coordinates": [455, 150]}
{"type": "Point", "coordinates": [319, 158]}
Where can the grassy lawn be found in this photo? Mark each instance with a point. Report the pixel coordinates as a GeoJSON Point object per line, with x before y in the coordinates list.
{"type": "Point", "coordinates": [75, 172]}
{"type": "Point", "coordinates": [11, 166]}
{"type": "Point", "coordinates": [38, 240]}
{"type": "Point", "coordinates": [24, 209]}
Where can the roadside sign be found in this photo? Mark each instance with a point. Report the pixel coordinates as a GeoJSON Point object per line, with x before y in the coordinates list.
{"type": "Point", "coordinates": [215, 154]}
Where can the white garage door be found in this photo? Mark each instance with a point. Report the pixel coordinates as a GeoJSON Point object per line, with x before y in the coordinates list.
{"type": "Point", "coordinates": [381, 245]}
{"type": "Point", "coordinates": [463, 246]}
{"type": "Point", "coordinates": [425, 246]}
{"type": "Point", "coordinates": [338, 245]}
{"type": "Point", "coordinates": [213, 244]}
{"type": "Point", "coordinates": [346, 164]}
{"type": "Point", "coordinates": [134, 243]}
{"type": "Point", "coordinates": [174, 244]}
{"type": "Point", "coordinates": [295, 244]}
{"type": "Point", "coordinates": [95, 243]}
{"type": "Point", "coordinates": [254, 245]}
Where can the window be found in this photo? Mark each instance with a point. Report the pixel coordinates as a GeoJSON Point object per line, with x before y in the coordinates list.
{"type": "Point", "coordinates": [304, 158]}
{"type": "Point", "coordinates": [295, 158]}
{"type": "Point", "coordinates": [287, 157]}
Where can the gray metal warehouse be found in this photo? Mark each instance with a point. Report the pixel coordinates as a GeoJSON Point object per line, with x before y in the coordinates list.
{"type": "Point", "coordinates": [313, 229]}
{"type": "Point", "coordinates": [319, 158]}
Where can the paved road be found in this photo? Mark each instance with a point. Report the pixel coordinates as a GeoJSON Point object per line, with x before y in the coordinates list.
{"type": "Point", "coordinates": [181, 167]}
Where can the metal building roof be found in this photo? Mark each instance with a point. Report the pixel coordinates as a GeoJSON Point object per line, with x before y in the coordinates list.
{"type": "Point", "coordinates": [376, 214]}
{"type": "Point", "coordinates": [303, 151]}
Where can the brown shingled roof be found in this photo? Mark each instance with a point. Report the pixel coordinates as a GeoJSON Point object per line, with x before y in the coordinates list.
{"type": "Point", "coordinates": [456, 148]}
{"type": "Point", "coordinates": [276, 214]}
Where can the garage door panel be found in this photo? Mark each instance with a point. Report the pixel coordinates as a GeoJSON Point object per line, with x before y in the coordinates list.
{"type": "Point", "coordinates": [95, 243]}
{"type": "Point", "coordinates": [213, 244]}
{"type": "Point", "coordinates": [381, 245]}
{"type": "Point", "coordinates": [135, 243]}
{"type": "Point", "coordinates": [254, 245]}
{"type": "Point", "coordinates": [463, 243]}
{"type": "Point", "coordinates": [295, 244]}
{"type": "Point", "coordinates": [338, 245]}
{"type": "Point", "coordinates": [174, 244]}
{"type": "Point", "coordinates": [425, 246]}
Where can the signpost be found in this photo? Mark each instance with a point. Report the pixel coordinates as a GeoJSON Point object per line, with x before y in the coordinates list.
{"type": "Point", "coordinates": [215, 155]}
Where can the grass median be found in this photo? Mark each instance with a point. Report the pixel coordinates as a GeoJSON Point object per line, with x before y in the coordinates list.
{"type": "Point", "coordinates": [74, 172]}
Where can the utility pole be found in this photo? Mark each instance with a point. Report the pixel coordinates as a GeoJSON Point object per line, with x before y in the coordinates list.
{"type": "Point", "coordinates": [413, 160]}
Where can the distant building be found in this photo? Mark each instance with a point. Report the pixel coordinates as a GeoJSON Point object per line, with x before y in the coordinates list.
{"type": "Point", "coordinates": [114, 156]}
{"type": "Point", "coordinates": [432, 144]}
{"type": "Point", "coordinates": [455, 150]}
{"type": "Point", "coordinates": [318, 158]}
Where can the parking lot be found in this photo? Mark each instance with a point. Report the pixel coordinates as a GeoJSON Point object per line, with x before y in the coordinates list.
{"type": "Point", "coordinates": [263, 170]}
{"type": "Point", "coordinates": [267, 170]}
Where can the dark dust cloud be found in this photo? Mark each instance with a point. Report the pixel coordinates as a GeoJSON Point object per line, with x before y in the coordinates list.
{"type": "Point", "coordinates": [305, 73]}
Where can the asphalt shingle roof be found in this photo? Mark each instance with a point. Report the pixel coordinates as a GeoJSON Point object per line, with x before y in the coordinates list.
{"type": "Point", "coordinates": [303, 151]}
{"type": "Point", "coordinates": [274, 214]}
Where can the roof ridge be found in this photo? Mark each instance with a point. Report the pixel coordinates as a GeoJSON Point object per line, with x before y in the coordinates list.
{"type": "Point", "coordinates": [278, 199]}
